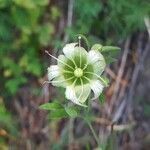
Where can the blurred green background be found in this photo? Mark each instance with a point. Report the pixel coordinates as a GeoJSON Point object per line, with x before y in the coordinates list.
{"type": "Point", "coordinates": [28, 27]}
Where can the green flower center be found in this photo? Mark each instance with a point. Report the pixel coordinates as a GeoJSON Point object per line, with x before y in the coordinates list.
{"type": "Point", "coordinates": [78, 72]}
{"type": "Point", "coordinates": [79, 69]}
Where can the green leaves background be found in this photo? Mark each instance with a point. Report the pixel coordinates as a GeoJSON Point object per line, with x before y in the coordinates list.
{"type": "Point", "coordinates": [23, 33]}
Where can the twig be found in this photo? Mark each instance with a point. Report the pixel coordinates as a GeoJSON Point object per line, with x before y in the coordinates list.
{"type": "Point", "coordinates": [120, 74]}
{"type": "Point", "coordinates": [113, 76]}
{"type": "Point", "coordinates": [136, 73]}
{"type": "Point", "coordinates": [93, 132]}
{"type": "Point", "coordinates": [121, 127]}
{"type": "Point", "coordinates": [119, 112]}
{"type": "Point", "coordinates": [69, 18]}
{"type": "Point", "coordinates": [112, 126]}
{"type": "Point", "coordinates": [102, 121]}
{"type": "Point", "coordinates": [71, 136]}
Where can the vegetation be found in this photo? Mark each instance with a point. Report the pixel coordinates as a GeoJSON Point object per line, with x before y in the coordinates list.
{"type": "Point", "coordinates": [29, 27]}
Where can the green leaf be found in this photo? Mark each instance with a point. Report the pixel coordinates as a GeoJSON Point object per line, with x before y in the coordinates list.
{"type": "Point", "coordinates": [14, 84]}
{"type": "Point", "coordinates": [97, 47]}
{"type": "Point", "coordinates": [58, 114]}
{"type": "Point", "coordinates": [102, 98]}
{"type": "Point", "coordinates": [51, 106]}
{"type": "Point", "coordinates": [110, 60]}
{"type": "Point", "coordinates": [41, 2]}
{"type": "Point", "coordinates": [71, 111]}
{"type": "Point", "coordinates": [5, 119]}
{"type": "Point", "coordinates": [111, 51]}
{"type": "Point", "coordinates": [4, 3]}
{"type": "Point", "coordinates": [45, 33]}
{"type": "Point", "coordinates": [55, 13]}
{"type": "Point", "coordinates": [21, 18]}
{"type": "Point", "coordinates": [29, 4]}
{"type": "Point", "coordinates": [34, 67]}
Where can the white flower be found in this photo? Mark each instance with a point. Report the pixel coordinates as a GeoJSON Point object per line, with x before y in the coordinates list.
{"type": "Point", "coordinates": [79, 72]}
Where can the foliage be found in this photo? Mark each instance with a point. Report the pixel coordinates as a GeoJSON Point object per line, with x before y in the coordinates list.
{"type": "Point", "coordinates": [58, 111]}
{"type": "Point", "coordinates": [28, 26]}
{"type": "Point", "coordinates": [7, 124]}
{"type": "Point", "coordinates": [25, 27]}
{"type": "Point", "coordinates": [107, 21]}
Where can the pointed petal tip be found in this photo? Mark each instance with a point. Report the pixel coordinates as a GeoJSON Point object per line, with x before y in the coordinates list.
{"type": "Point", "coordinates": [97, 88]}
{"type": "Point", "coordinates": [70, 95]}
{"type": "Point", "coordinates": [53, 71]}
{"type": "Point", "coordinates": [94, 56]}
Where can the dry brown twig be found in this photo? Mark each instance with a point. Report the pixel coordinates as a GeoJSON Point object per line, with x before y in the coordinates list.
{"type": "Point", "coordinates": [119, 76]}
{"type": "Point", "coordinates": [114, 76]}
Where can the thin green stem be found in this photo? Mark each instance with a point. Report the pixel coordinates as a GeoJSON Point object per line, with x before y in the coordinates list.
{"type": "Point", "coordinates": [99, 77]}
{"type": "Point", "coordinates": [81, 89]}
{"type": "Point", "coordinates": [87, 120]}
{"type": "Point", "coordinates": [93, 132]}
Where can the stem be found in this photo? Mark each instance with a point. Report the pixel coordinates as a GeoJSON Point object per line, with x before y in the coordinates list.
{"type": "Point", "coordinates": [93, 132]}
{"type": "Point", "coordinates": [71, 137]}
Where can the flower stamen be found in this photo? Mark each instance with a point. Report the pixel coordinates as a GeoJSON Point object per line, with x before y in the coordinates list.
{"type": "Point", "coordinates": [97, 77]}
{"type": "Point", "coordinates": [59, 60]}
{"type": "Point", "coordinates": [74, 82]}
{"type": "Point", "coordinates": [73, 62]}
{"type": "Point", "coordinates": [79, 38]}
{"type": "Point", "coordinates": [81, 89]}
{"type": "Point", "coordinates": [67, 71]}
{"type": "Point", "coordinates": [86, 78]}
{"type": "Point", "coordinates": [78, 72]}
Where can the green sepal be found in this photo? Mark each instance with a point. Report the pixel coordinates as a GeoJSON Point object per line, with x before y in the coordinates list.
{"type": "Point", "coordinates": [51, 106]}
{"type": "Point", "coordinates": [109, 53]}
{"type": "Point", "coordinates": [97, 47]}
{"type": "Point", "coordinates": [102, 98]}
{"type": "Point", "coordinates": [110, 48]}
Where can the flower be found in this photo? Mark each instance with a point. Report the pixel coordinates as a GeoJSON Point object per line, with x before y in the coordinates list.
{"type": "Point", "coordinates": [79, 72]}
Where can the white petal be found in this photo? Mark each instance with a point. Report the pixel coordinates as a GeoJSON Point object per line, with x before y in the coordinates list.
{"type": "Point", "coordinates": [70, 94]}
{"type": "Point", "coordinates": [68, 50]}
{"type": "Point", "coordinates": [59, 82]}
{"type": "Point", "coordinates": [63, 62]}
{"type": "Point", "coordinates": [94, 56]}
{"type": "Point", "coordinates": [82, 93]}
{"type": "Point", "coordinates": [97, 88]}
{"type": "Point", "coordinates": [53, 71]}
{"type": "Point", "coordinates": [99, 67]}
{"type": "Point", "coordinates": [80, 57]}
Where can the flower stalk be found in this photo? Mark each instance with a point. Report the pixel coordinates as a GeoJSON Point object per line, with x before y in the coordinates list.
{"type": "Point", "coordinates": [93, 132]}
